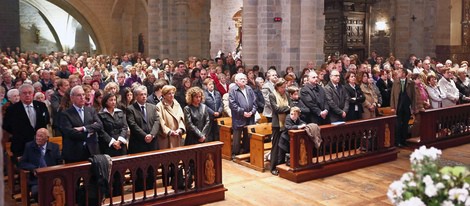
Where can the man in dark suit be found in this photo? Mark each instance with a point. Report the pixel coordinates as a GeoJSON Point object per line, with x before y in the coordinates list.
{"type": "Point", "coordinates": [144, 123]}
{"type": "Point", "coordinates": [39, 153]}
{"type": "Point", "coordinates": [79, 126]}
{"type": "Point", "coordinates": [242, 102]}
{"type": "Point", "coordinates": [337, 98]}
{"type": "Point", "coordinates": [403, 103]}
{"type": "Point", "coordinates": [24, 118]}
{"type": "Point", "coordinates": [214, 107]}
{"type": "Point", "coordinates": [314, 98]}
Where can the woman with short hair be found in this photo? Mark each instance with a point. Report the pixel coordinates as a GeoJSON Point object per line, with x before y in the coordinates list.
{"type": "Point", "coordinates": [171, 119]}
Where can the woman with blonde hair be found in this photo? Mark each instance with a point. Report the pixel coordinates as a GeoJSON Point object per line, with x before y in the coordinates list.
{"type": "Point", "coordinates": [171, 119]}
{"type": "Point", "coordinates": [197, 117]}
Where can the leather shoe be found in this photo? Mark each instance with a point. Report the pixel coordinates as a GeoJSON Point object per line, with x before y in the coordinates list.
{"type": "Point", "coordinates": [275, 172]}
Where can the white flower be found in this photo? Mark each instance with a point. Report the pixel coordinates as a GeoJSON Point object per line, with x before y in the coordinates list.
{"type": "Point", "coordinates": [446, 177]}
{"type": "Point", "coordinates": [440, 185]}
{"type": "Point", "coordinates": [414, 201]}
{"type": "Point", "coordinates": [430, 190]}
{"type": "Point", "coordinates": [447, 203]}
{"type": "Point", "coordinates": [412, 184]}
{"type": "Point", "coordinates": [395, 191]}
{"type": "Point", "coordinates": [406, 177]}
{"type": "Point", "coordinates": [458, 194]}
{"type": "Point", "coordinates": [419, 154]}
{"type": "Point", "coordinates": [467, 203]}
{"type": "Point", "coordinates": [428, 180]}
{"type": "Point", "coordinates": [466, 186]}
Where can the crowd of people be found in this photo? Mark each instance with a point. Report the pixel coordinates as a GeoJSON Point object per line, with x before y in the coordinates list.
{"type": "Point", "coordinates": [129, 103]}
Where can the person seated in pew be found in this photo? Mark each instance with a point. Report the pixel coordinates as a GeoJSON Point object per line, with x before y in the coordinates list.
{"type": "Point", "coordinates": [293, 122]}
{"type": "Point", "coordinates": [39, 153]}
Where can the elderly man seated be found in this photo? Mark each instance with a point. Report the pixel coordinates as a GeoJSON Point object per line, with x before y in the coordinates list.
{"type": "Point", "coordinates": [39, 153]}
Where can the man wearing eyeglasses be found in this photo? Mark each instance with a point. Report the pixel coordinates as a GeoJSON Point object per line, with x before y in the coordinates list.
{"type": "Point", "coordinates": [337, 98]}
{"type": "Point", "coordinates": [79, 126]}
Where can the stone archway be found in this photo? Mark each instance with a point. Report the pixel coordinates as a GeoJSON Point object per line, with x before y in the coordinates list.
{"type": "Point", "coordinates": [93, 28]}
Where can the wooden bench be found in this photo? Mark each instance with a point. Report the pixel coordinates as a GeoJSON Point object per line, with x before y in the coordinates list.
{"type": "Point", "coordinates": [259, 134]}
{"type": "Point", "coordinates": [225, 133]}
{"type": "Point", "coordinates": [61, 181]}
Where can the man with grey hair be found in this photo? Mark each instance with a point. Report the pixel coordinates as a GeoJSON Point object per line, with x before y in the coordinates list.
{"type": "Point", "coordinates": [79, 125]}
{"type": "Point", "coordinates": [144, 123]}
{"type": "Point", "coordinates": [267, 89]}
{"type": "Point", "coordinates": [24, 118]}
{"type": "Point", "coordinates": [242, 102]}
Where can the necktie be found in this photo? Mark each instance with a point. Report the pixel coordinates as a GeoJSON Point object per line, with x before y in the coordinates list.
{"type": "Point", "coordinates": [42, 160]}
{"type": "Point", "coordinates": [402, 85]}
{"type": "Point", "coordinates": [31, 116]}
{"type": "Point", "coordinates": [82, 116]}
{"type": "Point", "coordinates": [143, 112]}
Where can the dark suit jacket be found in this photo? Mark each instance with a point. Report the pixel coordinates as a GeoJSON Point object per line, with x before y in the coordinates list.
{"type": "Point", "coordinates": [314, 98]}
{"type": "Point", "coordinates": [140, 127]}
{"type": "Point", "coordinates": [213, 103]}
{"type": "Point", "coordinates": [239, 105]}
{"type": "Point", "coordinates": [77, 146]}
{"type": "Point", "coordinates": [31, 157]}
{"type": "Point", "coordinates": [337, 100]}
{"type": "Point", "coordinates": [16, 122]}
{"type": "Point", "coordinates": [385, 88]}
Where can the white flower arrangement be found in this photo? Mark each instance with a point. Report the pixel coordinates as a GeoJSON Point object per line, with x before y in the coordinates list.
{"type": "Point", "coordinates": [429, 183]}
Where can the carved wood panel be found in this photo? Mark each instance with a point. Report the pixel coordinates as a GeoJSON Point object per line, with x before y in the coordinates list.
{"type": "Point", "coordinates": [466, 22]}
{"type": "Point", "coordinates": [355, 31]}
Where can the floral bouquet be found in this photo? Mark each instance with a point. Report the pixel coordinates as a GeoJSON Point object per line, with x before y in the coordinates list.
{"type": "Point", "coordinates": [429, 183]}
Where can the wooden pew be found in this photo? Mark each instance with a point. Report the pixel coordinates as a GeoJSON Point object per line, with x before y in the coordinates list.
{"type": "Point", "coordinates": [443, 127]}
{"type": "Point", "coordinates": [225, 133]}
{"type": "Point", "coordinates": [207, 187]}
{"type": "Point", "coordinates": [344, 147]}
{"type": "Point", "coordinates": [259, 133]}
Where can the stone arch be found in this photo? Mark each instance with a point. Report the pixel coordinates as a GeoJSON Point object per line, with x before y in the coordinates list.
{"type": "Point", "coordinates": [79, 11]}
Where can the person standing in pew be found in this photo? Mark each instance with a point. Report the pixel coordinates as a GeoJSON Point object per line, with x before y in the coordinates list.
{"type": "Point", "coordinates": [80, 126]}
{"type": "Point", "coordinates": [172, 119]}
{"type": "Point", "coordinates": [24, 118]}
{"type": "Point", "coordinates": [314, 98]}
{"type": "Point", "coordinates": [242, 102]}
{"type": "Point", "coordinates": [197, 117]}
{"type": "Point", "coordinates": [144, 123]}
{"type": "Point", "coordinates": [336, 97]}
{"type": "Point", "coordinates": [39, 153]}
{"type": "Point", "coordinates": [213, 101]}
{"type": "Point", "coordinates": [403, 103]}
{"type": "Point", "coordinates": [113, 136]}
{"type": "Point", "coordinates": [280, 105]}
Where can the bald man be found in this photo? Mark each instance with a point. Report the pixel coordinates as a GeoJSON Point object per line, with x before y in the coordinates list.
{"type": "Point", "coordinates": [39, 153]}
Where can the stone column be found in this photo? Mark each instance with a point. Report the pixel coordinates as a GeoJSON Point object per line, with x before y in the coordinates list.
{"type": "Point", "coordinates": [9, 24]}
{"type": "Point", "coordinates": [153, 40]}
{"type": "Point", "coordinates": [312, 24]}
{"type": "Point", "coordinates": [182, 29]}
{"type": "Point", "coordinates": [250, 32]}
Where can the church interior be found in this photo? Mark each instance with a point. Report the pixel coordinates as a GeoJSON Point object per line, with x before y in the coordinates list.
{"type": "Point", "coordinates": [267, 33]}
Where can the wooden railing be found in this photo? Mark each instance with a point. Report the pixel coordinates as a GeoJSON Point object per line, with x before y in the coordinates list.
{"type": "Point", "coordinates": [61, 184]}
{"type": "Point", "coordinates": [344, 147]}
{"type": "Point", "coordinates": [443, 127]}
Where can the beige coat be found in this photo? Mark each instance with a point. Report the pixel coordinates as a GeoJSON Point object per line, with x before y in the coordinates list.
{"type": "Point", "coordinates": [172, 118]}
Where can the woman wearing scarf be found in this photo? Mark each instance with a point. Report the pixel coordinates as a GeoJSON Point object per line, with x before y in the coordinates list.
{"type": "Point", "coordinates": [280, 104]}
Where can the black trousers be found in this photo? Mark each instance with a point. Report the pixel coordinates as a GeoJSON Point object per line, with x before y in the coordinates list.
{"type": "Point", "coordinates": [401, 130]}
{"type": "Point", "coordinates": [275, 148]}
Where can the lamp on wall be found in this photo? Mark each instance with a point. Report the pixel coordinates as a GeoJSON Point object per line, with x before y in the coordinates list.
{"type": "Point", "coordinates": [381, 27]}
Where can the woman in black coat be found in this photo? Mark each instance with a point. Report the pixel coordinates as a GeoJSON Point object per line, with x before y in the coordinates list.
{"type": "Point", "coordinates": [356, 98]}
{"type": "Point", "coordinates": [113, 136]}
{"type": "Point", "coordinates": [196, 116]}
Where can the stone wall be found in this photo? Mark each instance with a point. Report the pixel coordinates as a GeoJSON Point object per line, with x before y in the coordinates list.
{"type": "Point", "coordinates": [293, 42]}
{"type": "Point", "coordinates": [9, 24]}
{"type": "Point", "coordinates": [222, 28]}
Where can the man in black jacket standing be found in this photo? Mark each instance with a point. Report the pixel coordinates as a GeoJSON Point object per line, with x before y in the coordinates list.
{"type": "Point", "coordinates": [24, 118]}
